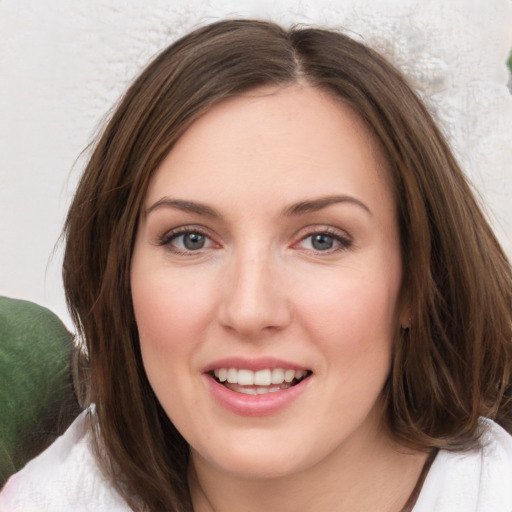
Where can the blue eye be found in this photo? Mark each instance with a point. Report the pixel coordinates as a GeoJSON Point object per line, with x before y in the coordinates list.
{"type": "Point", "coordinates": [186, 241]}
{"type": "Point", "coordinates": [193, 241]}
{"type": "Point", "coordinates": [322, 242]}
{"type": "Point", "coordinates": [325, 242]}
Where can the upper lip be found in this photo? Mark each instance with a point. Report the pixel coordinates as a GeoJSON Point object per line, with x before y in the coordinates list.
{"type": "Point", "coordinates": [254, 364]}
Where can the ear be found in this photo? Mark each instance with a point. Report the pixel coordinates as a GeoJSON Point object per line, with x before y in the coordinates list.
{"type": "Point", "coordinates": [405, 321]}
{"type": "Point", "coordinates": [404, 310]}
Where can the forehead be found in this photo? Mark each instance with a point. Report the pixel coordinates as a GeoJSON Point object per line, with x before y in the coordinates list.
{"type": "Point", "coordinates": [292, 140]}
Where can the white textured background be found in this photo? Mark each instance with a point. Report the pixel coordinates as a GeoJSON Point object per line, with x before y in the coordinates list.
{"type": "Point", "coordinates": [63, 64]}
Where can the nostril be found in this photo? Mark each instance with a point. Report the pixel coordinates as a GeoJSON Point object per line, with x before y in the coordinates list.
{"type": "Point", "coordinates": [254, 302]}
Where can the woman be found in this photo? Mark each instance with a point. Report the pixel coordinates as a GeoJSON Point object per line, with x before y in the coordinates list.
{"type": "Point", "coordinates": [290, 298]}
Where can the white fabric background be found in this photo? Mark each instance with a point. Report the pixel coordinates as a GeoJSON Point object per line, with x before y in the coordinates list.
{"type": "Point", "coordinates": [63, 65]}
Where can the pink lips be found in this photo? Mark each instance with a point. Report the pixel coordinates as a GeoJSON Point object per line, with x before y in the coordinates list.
{"type": "Point", "coordinates": [253, 405]}
{"type": "Point", "coordinates": [252, 364]}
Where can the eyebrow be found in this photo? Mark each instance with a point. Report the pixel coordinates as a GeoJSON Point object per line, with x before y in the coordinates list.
{"type": "Point", "coordinates": [185, 206]}
{"type": "Point", "coordinates": [320, 203]}
{"type": "Point", "coordinates": [296, 209]}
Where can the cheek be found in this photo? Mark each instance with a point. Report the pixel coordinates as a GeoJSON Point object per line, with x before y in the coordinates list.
{"type": "Point", "coordinates": [352, 308]}
{"type": "Point", "coordinates": [168, 310]}
{"type": "Point", "coordinates": [156, 314]}
{"type": "Point", "coordinates": [167, 319]}
{"type": "Point", "coordinates": [353, 321]}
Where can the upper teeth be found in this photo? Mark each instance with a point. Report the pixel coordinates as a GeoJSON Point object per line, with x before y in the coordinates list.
{"type": "Point", "coordinates": [259, 378]}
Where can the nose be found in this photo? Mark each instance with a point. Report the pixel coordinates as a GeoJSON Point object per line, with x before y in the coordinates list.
{"type": "Point", "coordinates": [254, 299]}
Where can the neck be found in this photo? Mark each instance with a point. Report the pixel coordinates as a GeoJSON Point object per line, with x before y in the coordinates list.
{"type": "Point", "coordinates": [352, 478]}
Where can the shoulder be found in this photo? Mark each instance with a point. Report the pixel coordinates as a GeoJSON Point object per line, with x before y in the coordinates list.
{"type": "Point", "coordinates": [64, 477]}
{"type": "Point", "coordinates": [479, 480]}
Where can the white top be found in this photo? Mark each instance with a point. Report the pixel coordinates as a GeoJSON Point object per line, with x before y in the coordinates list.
{"type": "Point", "coordinates": [66, 478]}
{"type": "Point", "coordinates": [476, 481]}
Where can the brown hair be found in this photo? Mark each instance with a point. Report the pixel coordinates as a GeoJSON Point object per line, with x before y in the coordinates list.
{"type": "Point", "coordinates": [453, 364]}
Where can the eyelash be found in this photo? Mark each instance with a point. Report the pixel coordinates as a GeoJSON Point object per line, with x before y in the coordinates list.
{"type": "Point", "coordinates": [344, 242]}
{"type": "Point", "coordinates": [167, 238]}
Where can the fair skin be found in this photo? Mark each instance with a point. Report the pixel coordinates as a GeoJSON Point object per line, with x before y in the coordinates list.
{"type": "Point", "coordinates": [268, 245]}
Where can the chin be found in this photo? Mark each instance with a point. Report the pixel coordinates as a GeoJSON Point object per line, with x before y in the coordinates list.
{"type": "Point", "coordinates": [259, 457]}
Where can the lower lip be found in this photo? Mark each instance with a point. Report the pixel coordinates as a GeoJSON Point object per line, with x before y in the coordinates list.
{"type": "Point", "coordinates": [255, 405]}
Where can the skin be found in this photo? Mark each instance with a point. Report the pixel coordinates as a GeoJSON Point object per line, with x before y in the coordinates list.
{"type": "Point", "coordinates": [261, 286]}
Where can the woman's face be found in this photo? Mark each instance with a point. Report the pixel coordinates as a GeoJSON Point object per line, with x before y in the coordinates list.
{"type": "Point", "coordinates": [267, 257]}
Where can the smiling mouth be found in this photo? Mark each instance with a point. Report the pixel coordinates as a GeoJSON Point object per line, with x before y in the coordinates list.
{"type": "Point", "coordinates": [259, 382]}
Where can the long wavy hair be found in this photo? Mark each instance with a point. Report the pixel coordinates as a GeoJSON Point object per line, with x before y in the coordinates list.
{"type": "Point", "coordinates": [454, 363]}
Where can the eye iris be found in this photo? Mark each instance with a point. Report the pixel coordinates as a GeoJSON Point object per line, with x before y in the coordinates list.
{"type": "Point", "coordinates": [322, 242]}
{"type": "Point", "coordinates": [193, 241]}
